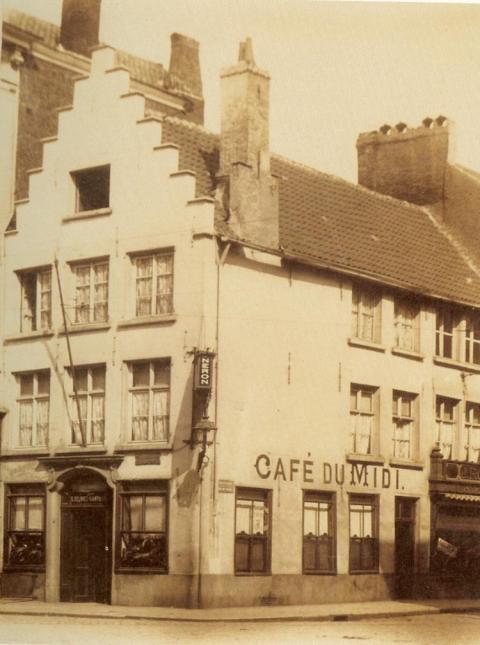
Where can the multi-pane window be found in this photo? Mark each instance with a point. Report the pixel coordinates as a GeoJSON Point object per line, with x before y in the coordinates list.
{"type": "Point", "coordinates": [142, 542]}
{"type": "Point", "coordinates": [154, 284]}
{"type": "Point", "coordinates": [406, 315]}
{"type": "Point", "coordinates": [363, 533]}
{"type": "Point", "coordinates": [92, 188]}
{"type": "Point", "coordinates": [252, 531]}
{"type": "Point", "coordinates": [362, 419]}
{"type": "Point", "coordinates": [365, 313]}
{"type": "Point", "coordinates": [36, 303]}
{"type": "Point", "coordinates": [403, 415]}
{"type": "Point", "coordinates": [444, 332]}
{"type": "Point", "coordinates": [446, 419]}
{"type": "Point", "coordinates": [25, 527]}
{"type": "Point", "coordinates": [318, 533]}
{"type": "Point", "coordinates": [149, 400]}
{"type": "Point", "coordinates": [91, 291]}
{"type": "Point", "coordinates": [472, 338]}
{"type": "Point", "coordinates": [472, 432]}
{"type": "Point", "coordinates": [90, 390]}
{"type": "Point", "coordinates": [33, 408]}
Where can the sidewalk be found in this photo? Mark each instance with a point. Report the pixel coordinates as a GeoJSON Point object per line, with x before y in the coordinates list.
{"type": "Point", "coordinates": [333, 612]}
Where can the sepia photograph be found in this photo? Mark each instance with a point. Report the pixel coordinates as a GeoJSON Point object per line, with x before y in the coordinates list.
{"type": "Point", "coordinates": [239, 322]}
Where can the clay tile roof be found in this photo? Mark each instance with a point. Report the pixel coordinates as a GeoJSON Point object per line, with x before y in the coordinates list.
{"type": "Point", "coordinates": [328, 221]}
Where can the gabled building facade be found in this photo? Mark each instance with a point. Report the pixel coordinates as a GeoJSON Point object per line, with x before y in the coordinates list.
{"type": "Point", "coordinates": [229, 379]}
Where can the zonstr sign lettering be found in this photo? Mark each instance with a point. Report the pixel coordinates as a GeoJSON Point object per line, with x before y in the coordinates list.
{"type": "Point", "coordinates": [308, 472]}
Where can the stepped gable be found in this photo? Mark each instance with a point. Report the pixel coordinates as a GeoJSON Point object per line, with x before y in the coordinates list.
{"type": "Point", "coordinates": [328, 221]}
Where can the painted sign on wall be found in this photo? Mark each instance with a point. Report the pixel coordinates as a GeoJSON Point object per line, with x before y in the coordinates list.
{"type": "Point", "coordinates": [308, 472]}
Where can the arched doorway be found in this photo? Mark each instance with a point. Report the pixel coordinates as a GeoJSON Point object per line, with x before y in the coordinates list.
{"type": "Point", "coordinates": [86, 542]}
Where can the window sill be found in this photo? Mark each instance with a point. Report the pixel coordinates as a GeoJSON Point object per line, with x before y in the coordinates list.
{"type": "Point", "coordinates": [74, 449]}
{"type": "Point", "coordinates": [407, 353]}
{"type": "Point", "coordinates": [141, 570]}
{"type": "Point", "coordinates": [80, 328]}
{"type": "Point", "coordinates": [365, 459]}
{"type": "Point", "coordinates": [360, 573]}
{"type": "Point", "coordinates": [366, 344]}
{"type": "Point", "coordinates": [31, 335]}
{"type": "Point", "coordinates": [253, 573]}
{"type": "Point", "coordinates": [407, 463]}
{"type": "Point", "coordinates": [142, 446]}
{"type": "Point", "coordinates": [319, 573]}
{"type": "Point", "coordinates": [97, 212]}
{"type": "Point", "coordinates": [450, 362]}
{"type": "Point", "coordinates": [22, 568]}
{"type": "Point", "coordinates": [25, 452]}
{"type": "Point", "coordinates": [148, 320]}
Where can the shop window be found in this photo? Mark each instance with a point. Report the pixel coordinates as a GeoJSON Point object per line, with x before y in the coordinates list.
{"type": "Point", "coordinates": [472, 338]}
{"type": "Point", "coordinates": [252, 531]}
{"type": "Point", "coordinates": [403, 416]}
{"type": "Point", "coordinates": [472, 432]}
{"type": "Point", "coordinates": [92, 188]}
{"type": "Point", "coordinates": [446, 420]}
{"type": "Point", "coordinates": [363, 404]}
{"type": "Point", "coordinates": [154, 284]}
{"type": "Point", "coordinates": [25, 527]}
{"type": "Point", "coordinates": [363, 534]}
{"type": "Point", "coordinates": [366, 313]}
{"type": "Point", "coordinates": [33, 408]}
{"type": "Point", "coordinates": [36, 301]}
{"type": "Point", "coordinates": [91, 291]}
{"type": "Point", "coordinates": [445, 332]}
{"type": "Point", "coordinates": [90, 387]}
{"type": "Point", "coordinates": [149, 400]}
{"type": "Point", "coordinates": [406, 315]}
{"type": "Point", "coordinates": [142, 542]}
{"type": "Point", "coordinates": [318, 532]}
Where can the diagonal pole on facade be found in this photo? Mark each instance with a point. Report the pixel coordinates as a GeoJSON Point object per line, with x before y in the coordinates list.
{"type": "Point", "coordinates": [72, 366]}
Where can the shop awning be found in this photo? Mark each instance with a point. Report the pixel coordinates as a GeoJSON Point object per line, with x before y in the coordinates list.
{"type": "Point", "coordinates": [462, 497]}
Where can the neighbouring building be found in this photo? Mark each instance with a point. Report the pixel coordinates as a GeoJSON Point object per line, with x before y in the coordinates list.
{"type": "Point", "coordinates": [227, 378]}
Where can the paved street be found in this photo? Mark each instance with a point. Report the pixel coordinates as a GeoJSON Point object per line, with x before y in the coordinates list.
{"type": "Point", "coordinates": [438, 629]}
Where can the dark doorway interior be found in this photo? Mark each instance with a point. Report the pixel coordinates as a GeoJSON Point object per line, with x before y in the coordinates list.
{"type": "Point", "coordinates": [404, 545]}
{"type": "Point", "coordinates": [85, 569]}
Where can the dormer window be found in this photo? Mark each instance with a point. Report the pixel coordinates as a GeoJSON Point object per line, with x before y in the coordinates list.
{"type": "Point", "coordinates": [92, 188]}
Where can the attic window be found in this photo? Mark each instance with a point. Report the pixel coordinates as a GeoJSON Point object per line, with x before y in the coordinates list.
{"type": "Point", "coordinates": [92, 188]}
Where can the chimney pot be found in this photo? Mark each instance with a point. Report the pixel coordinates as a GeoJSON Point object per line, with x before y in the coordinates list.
{"type": "Point", "coordinates": [441, 121]}
{"type": "Point", "coordinates": [401, 127]}
{"type": "Point", "coordinates": [185, 63]}
{"type": "Point", "coordinates": [80, 25]}
{"type": "Point", "coordinates": [385, 129]}
{"type": "Point", "coordinates": [427, 122]}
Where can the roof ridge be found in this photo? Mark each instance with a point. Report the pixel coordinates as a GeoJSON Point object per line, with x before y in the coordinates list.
{"type": "Point", "coordinates": [190, 125]}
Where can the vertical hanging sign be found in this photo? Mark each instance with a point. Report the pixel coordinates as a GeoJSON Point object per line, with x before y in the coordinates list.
{"type": "Point", "coordinates": [203, 371]}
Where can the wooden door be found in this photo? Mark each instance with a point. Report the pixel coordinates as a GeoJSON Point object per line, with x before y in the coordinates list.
{"type": "Point", "coordinates": [404, 545]}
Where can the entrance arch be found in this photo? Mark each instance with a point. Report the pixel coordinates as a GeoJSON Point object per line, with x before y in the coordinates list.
{"type": "Point", "coordinates": [85, 536]}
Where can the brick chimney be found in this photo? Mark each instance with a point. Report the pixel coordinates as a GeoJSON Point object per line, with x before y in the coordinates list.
{"type": "Point", "coordinates": [185, 63]}
{"type": "Point", "coordinates": [406, 163]}
{"type": "Point", "coordinates": [244, 151]}
{"type": "Point", "coordinates": [80, 25]}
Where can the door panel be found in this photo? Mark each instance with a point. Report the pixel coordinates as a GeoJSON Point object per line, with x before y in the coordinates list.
{"type": "Point", "coordinates": [404, 545]}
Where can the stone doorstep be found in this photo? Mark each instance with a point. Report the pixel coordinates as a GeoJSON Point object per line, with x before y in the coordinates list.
{"type": "Point", "coordinates": [328, 612]}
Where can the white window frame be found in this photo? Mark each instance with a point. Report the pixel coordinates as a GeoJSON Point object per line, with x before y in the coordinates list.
{"type": "Point", "coordinates": [90, 394]}
{"type": "Point", "coordinates": [366, 313]}
{"type": "Point", "coordinates": [40, 316]}
{"type": "Point", "coordinates": [406, 322]}
{"type": "Point", "coordinates": [472, 339]}
{"type": "Point", "coordinates": [34, 398]}
{"type": "Point", "coordinates": [446, 426]}
{"type": "Point", "coordinates": [150, 389]}
{"type": "Point", "coordinates": [472, 453]}
{"type": "Point", "coordinates": [358, 419]}
{"type": "Point", "coordinates": [155, 278]}
{"type": "Point", "coordinates": [404, 426]}
{"type": "Point", "coordinates": [443, 333]}
{"type": "Point", "coordinates": [91, 285]}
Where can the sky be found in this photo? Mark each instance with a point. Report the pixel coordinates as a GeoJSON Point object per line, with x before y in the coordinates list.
{"type": "Point", "coordinates": [337, 68]}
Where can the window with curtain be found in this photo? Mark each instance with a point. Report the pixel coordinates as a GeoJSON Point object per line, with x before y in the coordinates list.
{"type": "Point", "coordinates": [36, 300]}
{"type": "Point", "coordinates": [446, 420]}
{"type": "Point", "coordinates": [472, 432]}
{"type": "Point", "coordinates": [363, 533]}
{"type": "Point", "coordinates": [362, 419]}
{"type": "Point", "coordinates": [143, 523]}
{"type": "Point", "coordinates": [91, 291]}
{"type": "Point", "coordinates": [90, 387]}
{"type": "Point", "coordinates": [25, 527]}
{"type": "Point", "coordinates": [33, 408]}
{"type": "Point", "coordinates": [318, 532]}
{"type": "Point", "coordinates": [252, 531]}
{"type": "Point", "coordinates": [154, 284]}
{"type": "Point", "coordinates": [406, 316]}
{"type": "Point", "coordinates": [365, 313]}
{"type": "Point", "coordinates": [403, 417]}
{"type": "Point", "coordinates": [149, 400]}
